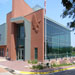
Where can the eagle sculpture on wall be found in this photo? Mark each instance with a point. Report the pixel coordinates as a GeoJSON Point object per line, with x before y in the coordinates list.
{"type": "Point", "coordinates": [36, 20]}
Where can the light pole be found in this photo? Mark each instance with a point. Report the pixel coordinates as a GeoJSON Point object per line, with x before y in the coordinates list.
{"type": "Point", "coordinates": [45, 30]}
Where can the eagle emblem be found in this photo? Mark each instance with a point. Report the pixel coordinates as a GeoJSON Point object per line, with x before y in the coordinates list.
{"type": "Point", "coordinates": [36, 22]}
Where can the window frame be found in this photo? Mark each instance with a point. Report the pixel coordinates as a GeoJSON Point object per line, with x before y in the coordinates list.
{"type": "Point", "coordinates": [36, 53]}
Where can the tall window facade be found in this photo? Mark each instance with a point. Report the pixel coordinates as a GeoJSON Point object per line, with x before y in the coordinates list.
{"type": "Point", "coordinates": [58, 40]}
{"type": "Point", "coordinates": [0, 37]}
{"type": "Point", "coordinates": [20, 41]}
{"type": "Point", "coordinates": [20, 34]}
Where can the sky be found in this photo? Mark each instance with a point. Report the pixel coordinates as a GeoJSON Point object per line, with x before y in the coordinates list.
{"type": "Point", "coordinates": [54, 9]}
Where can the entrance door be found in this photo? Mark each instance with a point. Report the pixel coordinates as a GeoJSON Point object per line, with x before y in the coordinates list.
{"type": "Point", "coordinates": [21, 54]}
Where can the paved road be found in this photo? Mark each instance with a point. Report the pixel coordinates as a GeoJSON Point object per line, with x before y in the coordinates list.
{"type": "Point", "coordinates": [68, 72]}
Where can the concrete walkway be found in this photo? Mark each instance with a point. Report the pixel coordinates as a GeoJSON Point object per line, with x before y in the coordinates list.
{"type": "Point", "coordinates": [7, 73]}
{"type": "Point", "coordinates": [4, 72]}
{"type": "Point", "coordinates": [7, 67]}
{"type": "Point", "coordinates": [16, 65]}
{"type": "Point", "coordinates": [20, 67]}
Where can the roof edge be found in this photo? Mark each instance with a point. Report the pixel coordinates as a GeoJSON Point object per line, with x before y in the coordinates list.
{"type": "Point", "coordinates": [3, 24]}
{"type": "Point", "coordinates": [57, 23]}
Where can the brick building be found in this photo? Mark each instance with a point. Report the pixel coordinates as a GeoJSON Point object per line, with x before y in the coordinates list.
{"type": "Point", "coordinates": [22, 37]}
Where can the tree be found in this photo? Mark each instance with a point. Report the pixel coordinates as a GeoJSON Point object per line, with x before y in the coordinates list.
{"type": "Point", "coordinates": [74, 49]}
{"type": "Point", "coordinates": [69, 11]}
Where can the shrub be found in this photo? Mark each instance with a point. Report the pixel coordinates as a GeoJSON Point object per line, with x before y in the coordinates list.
{"type": "Point", "coordinates": [33, 62]}
{"type": "Point", "coordinates": [29, 61]}
{"type": "Point", "coordinates": [54, 65]}
{"type": "Point", "coordinates": [39, 67]}
{"type": "Point", "coordinates": [33, 67]}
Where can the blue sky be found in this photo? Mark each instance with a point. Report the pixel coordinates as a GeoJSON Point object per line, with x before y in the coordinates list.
{"type": "Point", "coordinates": [54, 10]}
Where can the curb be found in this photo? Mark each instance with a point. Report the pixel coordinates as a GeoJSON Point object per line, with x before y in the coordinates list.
{"type": "Point", "coordinates": [22, 72]}
{"type": "Point", "coordinates": [55, 71]}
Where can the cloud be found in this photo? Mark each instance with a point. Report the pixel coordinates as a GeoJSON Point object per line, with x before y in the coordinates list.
{"type": "Point", "coordinates": [3, 1]}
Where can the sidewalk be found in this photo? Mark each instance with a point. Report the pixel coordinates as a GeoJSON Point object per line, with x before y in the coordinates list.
{"type": "Point", "coordinates": [22, 67]}
{"type": "Point", "coordinates": [4, 72]}
{"type": "Point", "coordinates": [18, 67]}
{"type": "Point", "coordinates": [43, 72]}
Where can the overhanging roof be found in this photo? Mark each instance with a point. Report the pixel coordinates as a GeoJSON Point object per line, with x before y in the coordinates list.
{"type": "Point", "coordinates": [57, 23]}
{"type": "Point", "coordinates": [17, 20]}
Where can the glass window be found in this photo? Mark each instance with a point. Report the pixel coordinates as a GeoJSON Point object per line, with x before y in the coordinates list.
{"type": "Point", "coordinates": [36, 53]}
{"type": "Point", "coordinates": [0, 37]}
{"type": "Point", "coordinates": [58, 39]}
{"type": "Point", "coordinates": [21, 32]}
{"type": "Point", "coordinates": [2, 51]}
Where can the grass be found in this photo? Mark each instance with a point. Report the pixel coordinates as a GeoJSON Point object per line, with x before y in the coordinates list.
{"type": "Point", "coordinates": [54, 65]}
{"type": "Point", "coordinates": [39, 67]}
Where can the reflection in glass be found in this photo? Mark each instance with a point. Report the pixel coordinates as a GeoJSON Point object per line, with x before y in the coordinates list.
{"type": "Point", "coordinates": [58, 39]}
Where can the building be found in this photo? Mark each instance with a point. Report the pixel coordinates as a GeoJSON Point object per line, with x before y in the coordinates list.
{"type": "Point", "coordinates": [22, 37]}
{"type": "Point", "coordinates": [3, 38]}
{"type": "Point", "coordinates": [58, 40]}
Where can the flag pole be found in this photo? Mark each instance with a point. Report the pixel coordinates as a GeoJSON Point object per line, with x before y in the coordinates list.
{"type": "Point", "coordinates": [45, 30]}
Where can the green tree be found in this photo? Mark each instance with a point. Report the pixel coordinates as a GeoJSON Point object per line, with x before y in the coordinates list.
{"type": "Point", "coordinates": [74, 49]}
{"type": "Point", "coordinates": [69, 11]}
